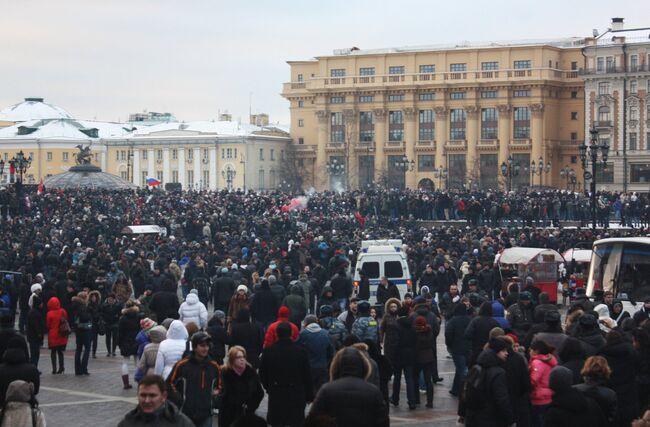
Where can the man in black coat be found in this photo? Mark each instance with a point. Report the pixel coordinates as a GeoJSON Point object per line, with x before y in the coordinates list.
{"type": "Point", "coordinates": [478, 331]}
{"type": "Point", "coordinates": [569, 407]}
{"type": "Point", "coordinates": [164, 303]}
{"type": "Point", "coordinates": [457, 344]}
{"type": "Point", "coordinates": [285, 374]}
{"type": "Point", "coordinates": [264, 306]}
{"type": "Point", "coordinates": [17, 367]}
{"type": "Point", "coordinates": [341, 288]}
{"type": "Point", "coordinates": [222, 290]}
{"type": "Point", "coordinates": [385, 291]}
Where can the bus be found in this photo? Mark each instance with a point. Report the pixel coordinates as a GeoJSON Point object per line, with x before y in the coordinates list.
{"type": "Point", "coordinates": [622, 266]}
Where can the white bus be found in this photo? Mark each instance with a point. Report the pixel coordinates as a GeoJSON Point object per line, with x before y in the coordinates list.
{"type": "Point", "coordinates": [622, 266]}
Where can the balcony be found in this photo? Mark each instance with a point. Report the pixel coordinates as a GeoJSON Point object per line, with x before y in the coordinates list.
{"type": "Point", "coordinates": [425, 146]}
{"type": "Point", "coordinates": [365, 147]}
{"type": "Point", "coordinates": [456, 145]}
{"type": "Point", "coordinates": [520, 144]}
{"type": "Point", "coordinates": [603, 124]}
{"type": "Point", "coordinates": [487, 144]}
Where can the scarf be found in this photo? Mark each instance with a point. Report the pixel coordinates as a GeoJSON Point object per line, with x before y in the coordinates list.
{"type": "Point", "coordinates": [239, 371]}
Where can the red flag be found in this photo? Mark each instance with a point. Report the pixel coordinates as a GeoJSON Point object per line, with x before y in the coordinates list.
{"type": "Point", "coordinates": [360, 218]}
{"type": "Point", "coordinates": [40, 187]}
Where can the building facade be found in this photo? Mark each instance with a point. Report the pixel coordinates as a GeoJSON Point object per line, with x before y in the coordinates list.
{"type": "Point", "coordinates": [438, 117]}
{"type": "Point", "coordinates": [617, 87]}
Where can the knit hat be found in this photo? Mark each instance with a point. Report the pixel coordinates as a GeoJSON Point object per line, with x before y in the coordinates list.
{"type": "Point", "coordinates": [325, 310]}
{"type": "Point", "coordinates": [219, 314]}
{"type": "Point", "coordinates": [552, 317]}
{"type": "Point", "coordinates": [497, 345]}
{"type": "Point", "coordinates": [283, 311]}
{"type": "Point", "coordinates": [364, 306]}
{"type": "Point", "coordinates": [146, 324]}
{"type": "Point", "coordinates": [588, 321]}
{"type": "Point", "coordinates": [497, 332]}
{"type": "Point", "coordinates": [424, 290]}
{"type": "Point", "coordinates": [310, 319]}
{"type": "Point", "coordinates": [242, 288]}
{"type": "Point", "coordinates": [36, 287]}
{"type": "Point", "coordinates": [561, 379]}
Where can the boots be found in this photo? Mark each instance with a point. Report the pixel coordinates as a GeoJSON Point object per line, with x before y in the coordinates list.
{"type": "Point", "coordinates": [125, 382]}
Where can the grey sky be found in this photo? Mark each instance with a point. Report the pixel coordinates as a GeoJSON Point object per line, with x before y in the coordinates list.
{"type": "Point", "coordinates": [193, 58]}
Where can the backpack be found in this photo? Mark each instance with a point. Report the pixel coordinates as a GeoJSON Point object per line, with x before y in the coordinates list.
{"type": "Point", "coordinates": [64, 327]}
{"type": "Point", "coordinates": [475, 387]}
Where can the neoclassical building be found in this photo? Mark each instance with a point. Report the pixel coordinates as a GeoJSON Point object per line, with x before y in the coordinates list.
{"type": "Point", "coordinates": [438, 116]}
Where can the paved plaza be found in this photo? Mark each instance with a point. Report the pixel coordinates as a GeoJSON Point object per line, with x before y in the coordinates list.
{"type": "Point", "coordinates": [98, 400]}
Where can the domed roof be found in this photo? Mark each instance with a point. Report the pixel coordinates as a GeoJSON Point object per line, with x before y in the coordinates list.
{"type": "Point", "coordinates": [87, 176]}
{"type": "Point", "coordinates": [32, 109]}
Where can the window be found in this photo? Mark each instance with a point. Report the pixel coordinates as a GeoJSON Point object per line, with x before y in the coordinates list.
{"type": "Point", "coordinates": [301, 104]}
{"type": "Point", "coordinates": [49, 156]}
{"type": "Point", "coordinates": [457, 68]}
{"type": "Point", "coordinates": [159, 176]}
{"type": "Point", "coordinates": [489, 123]}
{"type": "Point", "coordinates": [205, 154]}
{"type": "Point", "coordinates": [393, 269]}
{"type": "Point", "coordinates": [123, 155]}
{"type": "Point", "coordinates": [366, 98]}
{"type": "Point", "coordinates": [300, 78]}
{"type": "Point", "coordinates": [396, 69]}
{"type": "Point", "coordinates": [190, 179]}
{"type": "Point", "coordinates": [159, 154]}
{"type": "Point", "coordinates": [174, 154]}
{"type": "Point", "coordinates": [366, 126]}
{"type": "Point", "coordinates": [426, 163]}
{"type": "Point", "coordinates": [574, 65]}
{"type": "Point", "coordinates": [117, 155]}
{"type": "Point", "coordinates": [396, 97]}
{"type": "Point", "coordinates": [574, 136]}
{"type": "Point", "coordinates": [647, 141]}
{"type": "Point", "coordinates": [175, 176]}
{"type": "Point", "coordinates": [632, 142]}
{"type": "Point", "coordinates": [522, 64]}
{"type": "Point", "coordinates": [634, 113]}
{"type": "Point", "coordinates": [272, 155]}
{"type": "Point", "coordinates": [427, 69]}
{"type": "Point", "coordinates": [427, 125]}
{"type": "Point", "coordinates": [228, 153]}
{"type": "Point", "coordinates": [301, 123]}
{"type": "Point", "coordinates": [574, 160]}
{"type": "Point", "coordinates": [143, 178]}
{"type": "Point", "coordinates": [574, 94]}
{"type": "Point", "coordinates": [488, 94]}
{"type": "Point", "coordinates": [574, 115]}
{"type": "Point", "coordinates": [603, 114]}
{"type": "Point", "coordinates": [190, 154]}
{"type": "Point", "coordinates": [371, 269]}
{"type": "Point", "coordinates": [457, 170]}
{"type": "Point", "coordinates": [337, 72]}
{"type": "Point", "coordinates": [223, 153]}
{"type": "Point", "coordinates": [260, 179]}
{"type": "Point", "coordinates": [521, 122]}
{"type": "Point", "coordinates": [272, 178]}
{"type": "Point", "coordinates": [301, 141]}
{"type": "Point", "coordinates": [633, 86]}
{"type": "Point", "coordinates": [609, 64]}
{"type": "Point", "coordinates": [145, 154]}
{"type": "Point", "coordinates": [124, 175]}
{"type": "Point", "coordinates": [367, 71]}
{"type": "Point", "coordinates": [600, 64]}
{"type": "Point", "coordinates": [634, 62]}
{"type": "Point", "coordinates": [301, 162]}
{"type": "Point", "coordinates": [395, 126]}
{"type": "Point", "coordinates": [206, 179]}
{"type": "Point", "coordinates": [489, 66]}
{"type": "Point", "coordinates": [640, 172]}
{"type": "Point", "coordinates": [520, 93]}
{"type": "Point", "coordinates": [457, 124]}
{"type": "Point", "coordinates": [337, 127]}
{"type": "Point", "coordinates": [261, 154]}
{"type": "Point", "coordinates": [427, 96]}
{"type": "Point", "coordinates": [64, 156]}
{"type": "Point", "coordinates": [282, 156]}
{"type": "Point", "coordinates": [457, 95]}
{"type": "Point", "coordinates": [337, 99]}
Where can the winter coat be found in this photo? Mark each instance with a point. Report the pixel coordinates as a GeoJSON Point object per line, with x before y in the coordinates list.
{"type": "Point", "coordinates": [17, 367]}
{"type": "Point", "coordinates": [424, 345]}
{"type": "Point", "coordinates": [384, 293]}
{"type": "Point", "coordinates": [604, 397]}
{"type": "Point", "coordinates": [201, 378]}
{"type": "Point", "coordinates": [518, 379]}
{"type": "Point", "coordinates": [540, 371]}
{"type": "Point", "coordinates": [325, 300]}
{"type": "Point", "coordinates": [496, 410]}
{"type": "Point", "coordinates": [271, 336]}
{"type": "Point", "coordinates": [193, 310]}
{"type": "Point", "coordinates": [147, 361]}
{"type": "Point", "coordinates": [478, 333]}
{"type": "Point", "coordinates": [35, 328]}
{"type": "Point", "coordinates": [341, 286]}
{"type": "Point", "coordinates": [52, 321]}
{"type": "Point", "coordinates": [219, 340]}
{"type": "Point", "coordinates": [520, 317]}
{"type": "Point", "coordinates": [335, 329]}
{"type": "Point", "coordinates": [570, 408]}
{"type": "Point", "coordinates": [318, 345]}
{"type": "Point", "coordinates": [455, 331]}
{"type": "Point", "coordinates": [264, 306]}
{"type": "Point", "coordinates": [498, 314]}
{"type": "Point", "coordinates": [365, 328]}
{"type": "Point", "coordinates": [222, 290]}
{"type": "Point", "coordinates": [286, 376]}
{"type": "Point", "coordinates": [111, 313]}
{"type": "Point", "coordinates": [592, 342]}
{"type": "Point", "coordinates": [167, 415]}
{"type": "Point", "coordinates": [575, 366]}
{"type": "Point", "coordinates": [297, 306]}
{"type": "Point", "coordinates": [389, 331]}
{"type": "Point", "coordinates": [249, 336]}
{"type": "Point", "coordinates": [171, 349]}
{"type": "Point", "coordinates": [18, 411]}
{"type": "Point", "coordinates": [164, 304]}
{"type": "Point", "coordinates": [237, 391]}
{"type": "Point", "coordinates": [237, 303]}
{"type": "Point", "coordinates": [128, 328]}
{"type": "Point", "coordinates": [406, 350]}
{"type": "Point", "coordinates": [624, 363]}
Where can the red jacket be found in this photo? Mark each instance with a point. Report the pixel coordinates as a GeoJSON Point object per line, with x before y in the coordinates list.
{"type": "Point", "coordinates": [540, 371]}
{"type": "Point", "coordinates": [54, 313]}
{"type": "Point", "coordinates": [271, 336]}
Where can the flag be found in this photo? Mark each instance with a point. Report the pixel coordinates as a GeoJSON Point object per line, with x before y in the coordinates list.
{"type": "Point", "coordinates": [152, 182]}
{"type": "Point", "coordinates": [40, 187]}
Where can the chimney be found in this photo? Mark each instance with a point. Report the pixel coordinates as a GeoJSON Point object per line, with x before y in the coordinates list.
{"type": "Point", "coordinates": [617, 24]}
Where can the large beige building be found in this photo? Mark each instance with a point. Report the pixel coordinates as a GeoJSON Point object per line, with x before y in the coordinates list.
{"type": "Point", "coordinates": [438, 116]}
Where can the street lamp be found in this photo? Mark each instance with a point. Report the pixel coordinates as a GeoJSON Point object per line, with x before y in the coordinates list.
{"type": "Point", "coordinates": [229, 175]}
{"type": "Point", "coordinates": [404, 165]}
{"type": "Point", "coordinates": [284, 186]}
{"type": "Point", "coordinates": [539, 169]}
{"type": "Point", "coordinates": [509, 170]}
{"type": "Point", "coordinates": [590, 152]}
{"type": "Point", "coordinates": [567, 174]}
{"type": "Point", "coordinates": [441, 174]}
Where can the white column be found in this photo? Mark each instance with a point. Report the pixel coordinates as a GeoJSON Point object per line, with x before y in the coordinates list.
{"type": "Point", "coordinates": [103, 159]}
{"type": "Point", "coordinates": [213, 168]}
{"type": "Point", "coordinates": [166, 167]}
{"type": "Point", "coordinates": [136, 167]}
{"type": "Point", "coordinates": [197, 167]}
{"type": "Point", "coordinates": [181, 167]}
{"type": "Point", "coordinates": [151, 168]}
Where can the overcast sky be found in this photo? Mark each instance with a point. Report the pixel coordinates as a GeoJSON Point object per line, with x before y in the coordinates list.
{"type": "Point", "coordinates": [105, 59]}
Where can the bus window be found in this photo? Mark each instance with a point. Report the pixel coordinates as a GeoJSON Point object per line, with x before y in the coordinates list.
{"type": "Point", "coordinates": [634, 272]}
{"type": "Point", "coordinates": [371, 269]}
{"type": "Point", "coordinates": [393, 269]}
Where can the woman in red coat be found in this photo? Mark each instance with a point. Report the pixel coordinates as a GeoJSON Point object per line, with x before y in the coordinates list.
{"type": "Point", "coordinates": [55, 341]}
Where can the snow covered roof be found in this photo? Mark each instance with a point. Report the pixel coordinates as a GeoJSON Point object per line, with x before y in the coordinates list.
{"type": "Point", "coordinates": [31, 109]}
{"type": "Point", "coordinates": [63, 129]}
{"type": "Point", "coordinates": [225, 128]}
{"type": "Point", "coordinates": [632, 36]}
{"type": "Point", "coordinates": [522, 255]}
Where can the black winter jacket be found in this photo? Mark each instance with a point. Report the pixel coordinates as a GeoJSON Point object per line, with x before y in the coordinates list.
{"type": "Point", "coordinates": [604, 397]}
{"type": "Point", "coordinates": [201, 377]}
{"type": "Point", "coordinates": [16, 367]}
{"type": "Point", "coordinates": [570, 408]}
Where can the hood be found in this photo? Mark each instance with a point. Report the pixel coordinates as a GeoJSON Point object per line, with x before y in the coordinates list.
{"type": "Point", "coordinates": [157, 334]}
{"type": "Point", "coordinates": [549, 359]}
{"type": "Point", "coordinates": [602, 310]}
{"type": "Point", "coordinates": [80, 298]}
{"type": "Point", "coordinates": [19, 391]}
{"type": "Point", "coordinates": [177, 331]}
{"type": "Point", "coordinates": [96, 294]}
{"type": "Point", "coordinates": [497, 309]}
{"type": "Point", "coordinates": [327, 289]}
{"type": "Point", "coordinates": [192, 299]}
{"type": "Point", "coordinates": [352, 363]}
{"type": "Point", "coordinates": [313, 327]}
{"type": "Point", "coordinates": [283, 312]}
{"type": "Point", "coordinates": [391, 301]}
{"type": "Point", "coordinates": [295, 290]}
{"type": "Point", "coordinates": [53, 304]}
{"type": "Point", "coordinates": [460, 310]}
{"type": "Point", "coordinates": [131, 310]}
{"type": "Point", "coordinates": [488, 359]}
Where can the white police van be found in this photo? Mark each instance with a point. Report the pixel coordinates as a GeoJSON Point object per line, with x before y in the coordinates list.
{"type": "Point", "coordinates": [379, 258]}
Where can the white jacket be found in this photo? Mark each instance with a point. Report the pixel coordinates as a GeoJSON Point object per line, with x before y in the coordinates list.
{"type": "Point", "coordinates": [193, 310]}
{"type": "Point", "coordinates": [171, 349]}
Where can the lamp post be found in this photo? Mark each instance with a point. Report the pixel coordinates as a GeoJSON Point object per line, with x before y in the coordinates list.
{"type": "Point", "coordinates": [284, 186]}
{"type": "Point", "coordinates": [229, 175]}
{"type": "Point", "coordinates": [404, 165]}
{"type": "Point", "coordinates": [441, 174]}
{"type": "Point", "coordinates": [335, 168]}
{"type": "Point", "coordinates": [540, 169]}
{"type": "Point", "coordinates": [20, 164]}
{"type": "Point", "coordinates": [509, 170]}
{"type": "Point", "coordinates": [567, 173]}
{"type": "Point", "coordinates": [590, 152]}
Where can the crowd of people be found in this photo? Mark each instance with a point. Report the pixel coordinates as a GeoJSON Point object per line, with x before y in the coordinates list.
{"type": "Point", "coordinates": [248, 295]}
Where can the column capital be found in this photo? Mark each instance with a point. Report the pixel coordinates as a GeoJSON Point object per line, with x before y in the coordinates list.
{"type": "Point", "coordinates": [441, 112]}
{"type": "Point", "coordinates": [471, 111]}
{"type": "Point", "coordinates": [409, 112]}
{"type": "Point", "coordinates": [322, 116]}
{"type": "Point", "coordinates": [504, 108]}
{"type": "Point", "coordinates": [536, 109]}
{"type": "Point", "coordinates": [380, 113]}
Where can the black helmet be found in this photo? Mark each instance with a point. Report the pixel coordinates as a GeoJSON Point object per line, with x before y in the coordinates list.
{"type": "Point", "coordinates": [200, 338]}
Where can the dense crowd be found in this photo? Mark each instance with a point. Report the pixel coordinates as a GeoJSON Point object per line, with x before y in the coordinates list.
{"type": "Point", "coordinates": [249, 294]}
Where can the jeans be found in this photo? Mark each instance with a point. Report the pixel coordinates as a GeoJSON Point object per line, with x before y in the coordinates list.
{"type": "Point", "coordinates": [93, 339]}
{"type": "Point", "coordinates": [397, 378]}
{"type": "Point", "coordinates": [34, 352]}
{"type": "Point", "coordinates": [426, 371]}
{"type": "Point", "coordinates": [411, 378]}
{"type": "Point", "coordinates": [537, 415]}
{"type": "Point", "coordinates": [460, 362]}
{"type": "Point", "coordinates": [83, 339]}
